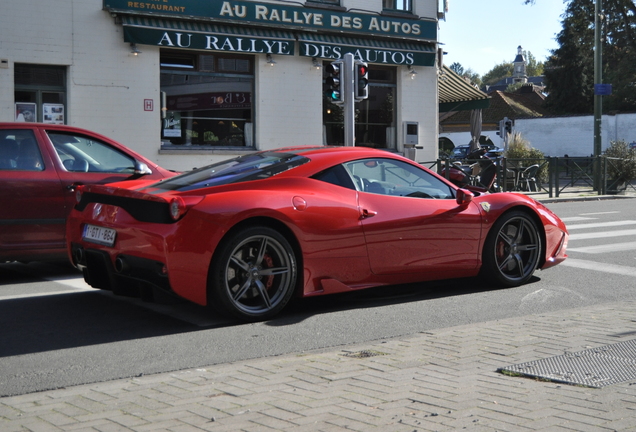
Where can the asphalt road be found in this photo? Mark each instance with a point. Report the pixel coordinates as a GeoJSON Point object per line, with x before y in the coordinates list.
{"type": "Point", "coordinates": [57, 332]}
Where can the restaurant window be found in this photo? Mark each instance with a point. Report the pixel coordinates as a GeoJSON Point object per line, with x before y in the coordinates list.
{"type": "Point", "coordinates": [206, 100]}
{"type": "Point", "coordinates": [40, 93]}
{"type": "Point", "coordinates": [374, 116]}
{"type": "Point", "coordinates": [398, 5]}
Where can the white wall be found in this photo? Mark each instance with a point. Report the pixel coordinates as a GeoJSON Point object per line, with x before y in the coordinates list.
{"type": "Point", "coordinates": [574, 136]}
{"type": "Point", "coordinates": [558, 136]}
{"type": "Point", "coordinates": [106, 85]}
{"type": "Point", "coordinates": [28, 37]}
{"type": "Point", "coordinates": [289, 108]}
{"type": "Point", "coordinates": [418, 101]}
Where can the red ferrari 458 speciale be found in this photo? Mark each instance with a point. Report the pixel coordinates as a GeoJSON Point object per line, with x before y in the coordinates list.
{"type": "Point", "coordinates": [246, 234]}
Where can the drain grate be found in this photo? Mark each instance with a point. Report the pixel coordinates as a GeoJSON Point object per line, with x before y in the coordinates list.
{"type": "Point", "coordinates": [596, 367]}
{"type": "Point", "coordinates": [363, 354]}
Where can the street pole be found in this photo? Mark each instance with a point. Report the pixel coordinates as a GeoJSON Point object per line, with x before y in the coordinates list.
{"type": "Point", "coordinates": [349, 101]}
{"type": "Point", "coordinates": [598, 99]}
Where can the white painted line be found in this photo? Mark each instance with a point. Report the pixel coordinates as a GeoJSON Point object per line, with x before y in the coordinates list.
{"type": "Point", "coordinates": [612, 247]}
{"type": "Point", "coordinates": [73, 282]}
{"type": "Point", "coordinates": [599, 213]}
{"type": "Point", "coordinates": [577, 218]}
{"type": "Point", "coordinates": [603, 234]}
{"type": "Point", "coordinates": [596, 266]}
{"type": "Point", "coordinates": [601, 224]}
{"type": "Point", "coordinates": [43, 294]}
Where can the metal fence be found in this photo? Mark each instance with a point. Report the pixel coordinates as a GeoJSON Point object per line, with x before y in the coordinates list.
{"type": "Point", "coordinates": [553, 175]}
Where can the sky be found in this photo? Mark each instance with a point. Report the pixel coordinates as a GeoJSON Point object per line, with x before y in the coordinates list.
{"type": "Point", "coordinates": [480, 35]}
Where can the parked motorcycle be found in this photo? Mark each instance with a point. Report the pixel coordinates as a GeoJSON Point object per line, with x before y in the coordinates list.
{"type": "Point", "coordinates": [480, 175]}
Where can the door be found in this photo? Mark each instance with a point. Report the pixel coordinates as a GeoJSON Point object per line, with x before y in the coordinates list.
{"type": "Point", "coordinates": [412, 222]}
{"type": "Point", "coordinates": [32, 208]}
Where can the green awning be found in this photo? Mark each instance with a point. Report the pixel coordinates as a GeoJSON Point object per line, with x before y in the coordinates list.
{"type": "Point", "coordinates": [206, 36]}
{"type": "Point", "coordinates": [371, 50]}
{"type": "Point", "coordinates": [456, 94]}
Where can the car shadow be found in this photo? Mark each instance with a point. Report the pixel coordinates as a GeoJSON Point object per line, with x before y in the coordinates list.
{"type": "Point", "coordinates": [304, 308]}
{"type": "Point", "coordinates": [55, 321]}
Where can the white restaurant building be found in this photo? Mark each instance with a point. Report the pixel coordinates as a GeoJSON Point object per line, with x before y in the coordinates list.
{"type": "Point", "coordinates": [190, 82]}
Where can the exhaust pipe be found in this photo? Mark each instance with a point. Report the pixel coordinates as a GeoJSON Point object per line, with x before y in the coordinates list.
{"type": "Point", "coordinates": [78, 254]}
{"type": "Point", "coordinates": [121, 265]}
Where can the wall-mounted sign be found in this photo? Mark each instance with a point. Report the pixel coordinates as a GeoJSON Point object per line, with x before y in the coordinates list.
{"type": "Point", "coordinates": [280, 16]}
{"type": "Point", "coordinates": [246, 40]}
{"type": "Point", "coordinates": [370, 54]}
{"type": "Point", "coordinates": [209, 41]}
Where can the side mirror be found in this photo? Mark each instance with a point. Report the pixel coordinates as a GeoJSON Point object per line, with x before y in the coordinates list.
{"type": "Point", "coordinates": [464, 197]}
{"type": "Point", "coordinates": [141, 168]}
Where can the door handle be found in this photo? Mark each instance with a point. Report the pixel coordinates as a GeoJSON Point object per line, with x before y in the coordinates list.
{"type": "Point", "coordinates": [367, 214]}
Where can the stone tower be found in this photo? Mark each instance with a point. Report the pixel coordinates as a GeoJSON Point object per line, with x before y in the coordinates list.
{"type": "Point", "coordinates": [519, 74]}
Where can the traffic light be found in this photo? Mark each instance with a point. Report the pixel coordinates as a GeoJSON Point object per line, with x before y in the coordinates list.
{"type": "Point", "coordinates": [508, 126]}
{"type": "Point", "coordinates": [334, 82]}
{"type": "Point", "coordinates": [361, 83]}
{"type": "Point", "coordinates": [505, 127]}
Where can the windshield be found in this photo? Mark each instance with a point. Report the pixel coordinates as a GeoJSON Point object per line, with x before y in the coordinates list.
{"type": "Point", "coordinates": [256, 166]}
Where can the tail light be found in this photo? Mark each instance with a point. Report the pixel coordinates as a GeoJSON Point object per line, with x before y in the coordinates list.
{"type": "Point", "coordinates": [177, 207]}
{"type": "Point", "coordinates": [79, 191]}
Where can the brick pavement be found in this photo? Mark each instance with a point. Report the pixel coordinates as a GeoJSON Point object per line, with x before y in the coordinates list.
{"type": "Point", "coordinates": [439, 380]}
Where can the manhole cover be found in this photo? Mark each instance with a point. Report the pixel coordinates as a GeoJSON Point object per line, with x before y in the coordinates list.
{"type": "Point", "coordinates": [596, 367]}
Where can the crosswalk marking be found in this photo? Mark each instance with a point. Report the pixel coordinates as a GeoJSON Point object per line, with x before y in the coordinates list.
{"type": "Point", "coordinates": [599, 213]}
{"type": "Point", "coordinates": [596, 266]}
{"type": "Point", "coordinates": [601, 225]}
{"type": "Point", "coordinates": [612, 247]}
{"type": "Point", "coordinates": [603, 234]}
{"type": "Point", "coordinates": [577, 219]}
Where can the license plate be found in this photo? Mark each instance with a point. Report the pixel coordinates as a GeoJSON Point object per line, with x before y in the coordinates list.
{"type": "Point", "coordinates": [101, 235]}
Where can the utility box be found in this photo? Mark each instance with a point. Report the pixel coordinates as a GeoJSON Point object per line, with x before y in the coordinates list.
{"type": "Point", "coordinates": [411, 130]}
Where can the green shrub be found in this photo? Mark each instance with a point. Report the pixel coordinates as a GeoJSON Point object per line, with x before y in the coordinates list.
{"type": "Point", "coordinates": [621, 163]}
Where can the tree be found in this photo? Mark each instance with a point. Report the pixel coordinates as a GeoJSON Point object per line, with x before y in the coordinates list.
{"type": "Point", "coordinates": [533, 67]}
{"type": "Point", "coordinates": [569, 71]}
{"type": "Point", "coordinates": [498, 73]}
{"type": "Point", "coordinates": [469, 74]}
{"type": "Point", "coordinates": [457, 68]}
{"type": "Point", "coordinates": [472, 76]}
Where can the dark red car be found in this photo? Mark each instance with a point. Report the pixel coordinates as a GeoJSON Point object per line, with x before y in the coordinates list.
{"type": "Point", "coordinates": [39, 166]}
{"type": "Point", "coordinates": [246, 234]}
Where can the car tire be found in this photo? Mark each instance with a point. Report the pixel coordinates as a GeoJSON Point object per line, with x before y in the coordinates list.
{"type": "Point", "coordinates": [253, 275]}
{"type": "Point", "coordinates": [512, 250]}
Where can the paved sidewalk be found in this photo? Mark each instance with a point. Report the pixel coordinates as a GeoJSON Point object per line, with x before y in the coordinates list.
{"type": "Point", "coordinates": [442, 380]}
{"type": "Point", "coordinates": [578, 193]}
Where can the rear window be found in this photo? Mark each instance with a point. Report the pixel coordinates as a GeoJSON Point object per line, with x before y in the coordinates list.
{"type": "Point", "coordinates": [256, 166]}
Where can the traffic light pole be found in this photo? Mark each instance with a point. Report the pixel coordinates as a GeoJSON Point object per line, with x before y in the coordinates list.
{"type": "Point", "coordinates": [598, 99]}
{"type": "Point", "coordinates": [347, 82]}
{"type": "Point", "coordinates": [349, 101]}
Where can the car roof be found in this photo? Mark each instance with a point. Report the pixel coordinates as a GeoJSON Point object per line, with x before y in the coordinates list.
{"type": "Point", "coordinates": [31, 125]}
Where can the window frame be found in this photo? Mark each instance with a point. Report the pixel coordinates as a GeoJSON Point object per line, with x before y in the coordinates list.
{"type": "Point", "coordinates": [194, 65]}
{"type": "Point", "coordinates": [365, 172]}
{"type": "Point", "coordinates": [404, 6]}
{"type": "Point", "coordinates": [41, 93]}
